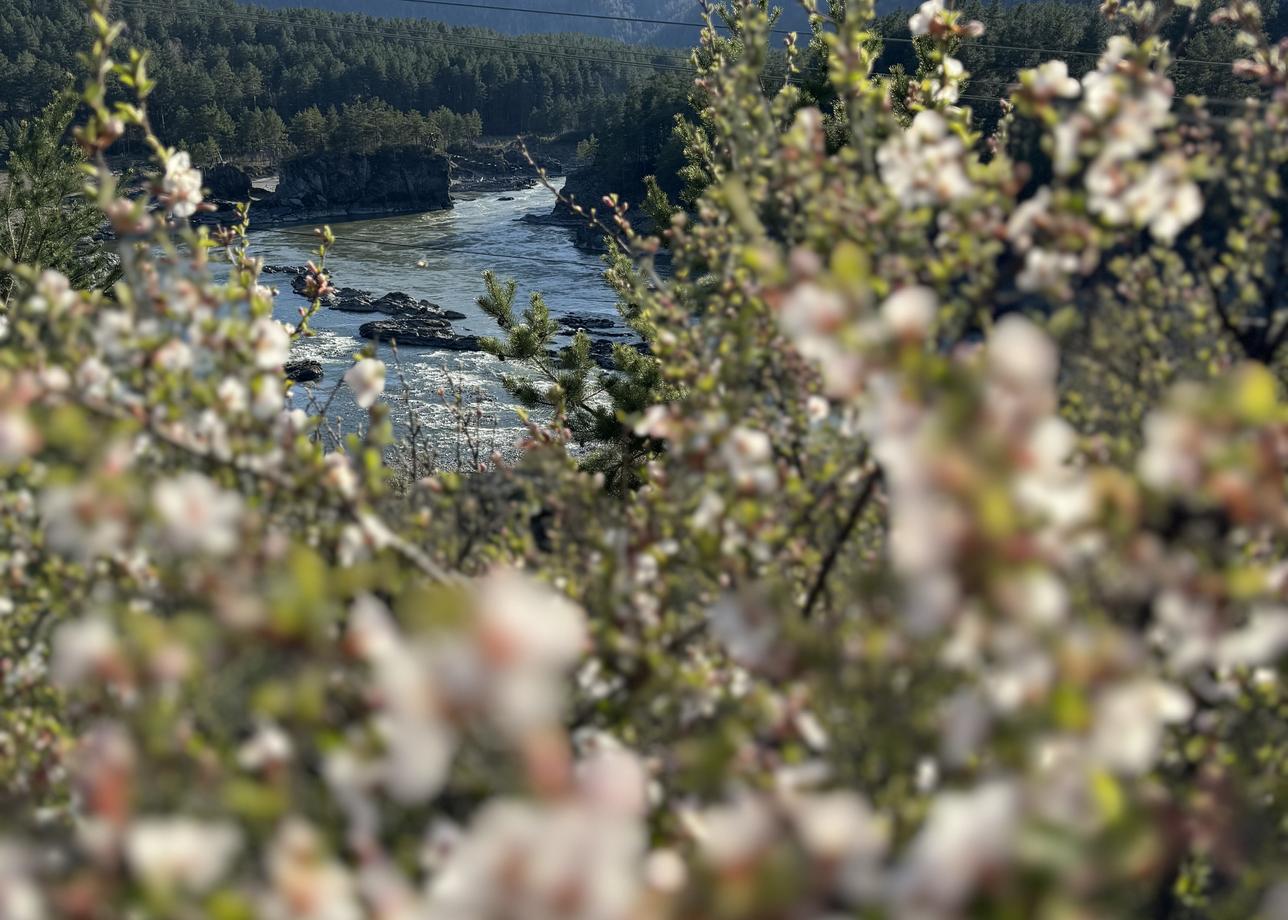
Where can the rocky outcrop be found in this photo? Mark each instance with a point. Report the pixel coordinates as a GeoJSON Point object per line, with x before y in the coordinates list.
{"type": "Point", "coordinates": [335, 186]}
{"type": "Point", "coordinates": [419, 333]}
{"type": "Point", "coordinates": [396, 179]}
{"type": "Point", "coordinates": [303, 371]}
{"type": "Point", "coordinates": [570, 322]}
{"type": "Point", "coordinates": [588, 186]}
{"type": "Point", "coordinates": [354, 300]}
{"type": "Point", "coordinates": [226, 182]}
{"type": "Point", "coordinates": [492, 169]}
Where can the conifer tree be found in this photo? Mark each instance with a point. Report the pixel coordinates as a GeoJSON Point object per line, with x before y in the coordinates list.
{"type": "Point", "coordinates": [44, 218]}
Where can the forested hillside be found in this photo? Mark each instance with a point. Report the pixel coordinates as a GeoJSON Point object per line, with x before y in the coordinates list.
{"type": "Point", "coordinates": [517, 21]}
{"type": "Point", "coordinates": [234, 79]}
{"type": "Point", "coordinates": [252, 84]}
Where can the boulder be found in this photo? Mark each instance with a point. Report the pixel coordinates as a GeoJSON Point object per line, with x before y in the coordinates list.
{"type": "Point", "coordinates": [352, 300]}
{"type": "Point", "coordinates": [399, 304]}
{"type": "Point", "coordinates": [419, 333]}
{"type": "Point", "coordinates": [303, 371]}
{"type": "Point", "coordinates": [587, 321]}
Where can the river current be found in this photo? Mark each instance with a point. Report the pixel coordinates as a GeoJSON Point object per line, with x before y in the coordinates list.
{"type": "Point", "coordinates": [455, 247]}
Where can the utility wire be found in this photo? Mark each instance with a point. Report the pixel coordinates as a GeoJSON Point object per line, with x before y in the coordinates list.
{"type": "Point", "coordinates": [602, 17]}
{"type": "Point", "coordinates": [519, 47]}
{"type": "Point", "coordinates": [431, 40]}
{"type": "Point", "coordinates": [996, 46]}
{"type": "Point", "coordinates": [461, 4]}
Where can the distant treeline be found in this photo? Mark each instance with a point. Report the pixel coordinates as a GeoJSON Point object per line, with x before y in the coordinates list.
{"type": "Point", "coordinates": [251, 83]}
{"type": "Point", "coordinates": [232, 76]}
{"type": "Point", "coordinates": [638, 21]}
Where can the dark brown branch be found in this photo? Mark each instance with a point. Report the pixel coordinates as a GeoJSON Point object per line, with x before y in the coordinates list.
{"type": "Point", "coordinates": [861, 502]}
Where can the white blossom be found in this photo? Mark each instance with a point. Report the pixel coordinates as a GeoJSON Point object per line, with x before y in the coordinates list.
{"type": "Point", "coordinates": [1051, 80]}
{"type": "Point", "coordinates": [268, 398]}
{"type": "Point", "coordinates": [612, 778]}
{"type": "Point", "coordinates": [733, 834]}
{"type": "Point", "coordinates": [1170, 460]}
{"type": "Point", "coordinates": [924, 164]}
{"type": "Point", "coordinates": [748, 455]}
{"type": "Point", "coordinates": [182, 185]}
{"type": "Point", "coordinates": [19, 438]}
{"type": "Point", "coordinates": [267, 747]}
{"type": "Point", "coordinates": [946, 84]}
{"type": "Point", "coordinates": [1046, 270]}
{"type": "Point", "coordinates": [528, 636]}
{"type": "Point", "coordinates": [55, 289]}
{"type": "Point", "coordinates": [271, 343]}
{"type": "Point", "coordinates": [233, 395]}
{"type": "Point", "coordinates": [1021, 355]}
{"type": "Point", "coordinates": [561, 862]}
{"type": "Point", "coordinates": [20, 896]}
{"type": "Point", "coordinates": [80, 523]}
{"type": "Point", "coordinates": [1129, 722]}
{"type": "Point", "coordinates": [910, 311]}
{"type": "Point", "coordinates": [812, 317]}
{"type": "Point", "coordinates": [746, 632]}
{"type": "Point", "coordinates": [920, 22]}
{"type": "Point", "coordinates": [83, 649]}
{"type": "Point", "coordinates": [196, 515]}
{"type": "Point", "coordinates": [840, 826]}
{"type": "Point", "coordinates": [306, 883]}
{"type": "Point", "coordinates": [181, 853]}
{"type": "Point", "coordinates": [1262, 640]}
{"type": "Point", "coordinates": [339, 474]}
{"type": "Point", "coordinates": [966, 837]}
{"type": "Point", "coordinates": [174, 356]}
{"type": "Point", "coordinates": [367, 380]}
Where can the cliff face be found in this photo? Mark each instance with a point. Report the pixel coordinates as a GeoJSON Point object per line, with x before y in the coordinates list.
{"type": "Point", "coordinates": [395, 180]}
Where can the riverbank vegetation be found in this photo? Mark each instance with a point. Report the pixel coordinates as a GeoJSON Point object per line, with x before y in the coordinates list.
{"type": "Point", "coordinates": [932, 564]}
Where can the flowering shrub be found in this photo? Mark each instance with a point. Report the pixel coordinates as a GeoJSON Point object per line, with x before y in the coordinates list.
{"type": "Point", "coordinates": [949, 579]}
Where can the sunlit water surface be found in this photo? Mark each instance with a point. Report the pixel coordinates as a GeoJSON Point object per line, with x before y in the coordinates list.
{"type": "Point", "coordinates": [456, 247]}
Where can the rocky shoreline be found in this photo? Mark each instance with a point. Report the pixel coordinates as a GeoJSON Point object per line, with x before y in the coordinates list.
{"type": "Point", "coordinates": [335, 187]}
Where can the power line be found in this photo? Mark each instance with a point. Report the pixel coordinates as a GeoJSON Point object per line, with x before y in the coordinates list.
{"type": "Point", "coordinates": [461, 4]}
{"type": "Point", "coordinates": [521, 48]}
{"type": "Point", "coordinates": [602, 17]}
{"type": "Point", "coordinates": [428, 40]}
{"type": "Point", "coordinates": [996, 46]}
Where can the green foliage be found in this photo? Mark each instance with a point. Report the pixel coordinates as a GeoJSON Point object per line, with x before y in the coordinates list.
{"type": "Point", "coordinates": [44, 218]}
{"type": "Point", "coordinates": [588, 150]}
{"type": "Point", "coordinates": [218, 61]}
{"type": "Point", "coordinates": [930, 565]}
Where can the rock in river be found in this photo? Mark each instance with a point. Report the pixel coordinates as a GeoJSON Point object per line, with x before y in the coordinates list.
{"type": "Point", "coordinates": [304, 371]}
{"type": "Point", "coordinates": [425, 332]}
{"type": "Point", "coordinates": [576, 321]}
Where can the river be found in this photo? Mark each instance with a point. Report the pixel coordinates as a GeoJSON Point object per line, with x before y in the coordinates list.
{"type": "Point", "coordinates": [455, 246]}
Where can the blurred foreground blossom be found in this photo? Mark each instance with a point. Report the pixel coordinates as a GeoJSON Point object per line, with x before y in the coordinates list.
{"type": "Point", "coordinates": [367, 380]}
{"type": "Point", "coordinates": [196, 515]}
